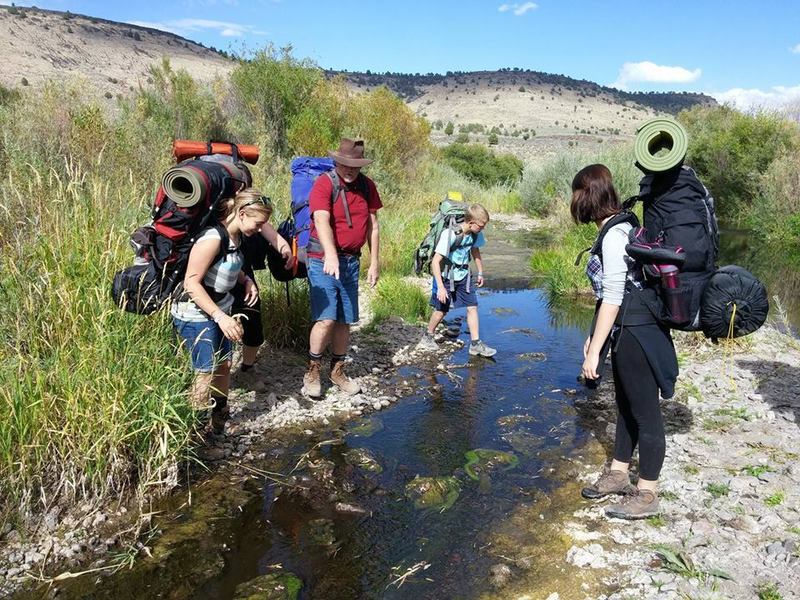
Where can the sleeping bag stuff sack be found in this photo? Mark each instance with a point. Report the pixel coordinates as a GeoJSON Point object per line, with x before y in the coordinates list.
{"type": "Point", "coordinates": [183, 149]}
{"type": "Point", "coordinates": [735, 303]}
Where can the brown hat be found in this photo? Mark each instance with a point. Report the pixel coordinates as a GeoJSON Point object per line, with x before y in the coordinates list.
{"type": "Point", "coordinates": [350, 153]}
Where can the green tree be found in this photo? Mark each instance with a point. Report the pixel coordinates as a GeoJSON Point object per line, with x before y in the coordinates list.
{"type": "Point", "coordinates": [448, 129]}
{"type": "Point", "coordinates": [478, 163]}
{"type": "Point", "coordinates": [493, 141]}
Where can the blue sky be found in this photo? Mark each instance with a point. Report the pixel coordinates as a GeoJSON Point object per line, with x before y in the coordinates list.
{"type": "Point", "coordinates": [745, 52]}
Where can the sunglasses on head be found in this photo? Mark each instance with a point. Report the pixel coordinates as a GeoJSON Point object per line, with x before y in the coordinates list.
{"type": "Point", "coordinates": [265, 200]}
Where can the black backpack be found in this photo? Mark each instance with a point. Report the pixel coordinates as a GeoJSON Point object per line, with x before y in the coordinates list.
{"type": "Point", "coordinates": [678, 213]}
{"type": "Point", "coordinates": [162, 247]}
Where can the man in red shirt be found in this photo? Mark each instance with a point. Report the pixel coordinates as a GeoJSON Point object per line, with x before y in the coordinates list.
{"type": "Point", "coordinates": [341, 225]}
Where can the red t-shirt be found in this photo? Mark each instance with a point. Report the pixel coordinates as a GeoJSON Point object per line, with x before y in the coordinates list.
{"type": "Point", "coordinates": [347, 239]}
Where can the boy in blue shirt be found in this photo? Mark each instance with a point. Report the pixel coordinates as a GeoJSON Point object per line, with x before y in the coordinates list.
{"type": "Point", "coordinates": [453, 284]}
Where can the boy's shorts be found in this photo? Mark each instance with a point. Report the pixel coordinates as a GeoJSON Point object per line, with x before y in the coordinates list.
{"type": "Point", "coordinates": [206, 343]}
{"type": "Point", "coordinates": [458, 298]}
{"type": "Point", "coordinates": [334, 299]}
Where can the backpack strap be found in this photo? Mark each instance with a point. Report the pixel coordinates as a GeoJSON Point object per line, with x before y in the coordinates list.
{"type": "Point", "coordinates": [337, 189]}
{"type": "Point", "coordinates": [624, 216]}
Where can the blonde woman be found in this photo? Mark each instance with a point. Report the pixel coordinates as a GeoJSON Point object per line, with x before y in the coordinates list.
{"type": "Point", "coordinates": [202, 315]}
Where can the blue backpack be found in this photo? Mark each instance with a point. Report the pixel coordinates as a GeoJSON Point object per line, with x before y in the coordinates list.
{"type": "Point", "coordinates": [296, 229]}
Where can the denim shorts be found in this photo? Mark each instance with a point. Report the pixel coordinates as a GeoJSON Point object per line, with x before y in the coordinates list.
{"type": "Point", "coordinates": [207, 344]}
{"type": "Point", "coordinates": [458, 298]}
{"type": "Point", "coordinates": [334, 299]}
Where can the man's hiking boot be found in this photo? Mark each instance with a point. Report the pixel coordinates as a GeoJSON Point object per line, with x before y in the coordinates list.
{"type": "Point", "coordinates": [427, 343]}
{"type": "Point", "coordinates": [481, 349]}
{"type": "Point", "coordinates": [342, 381]}
{"type": "Point", "coordinates": [637, 504]}
{"type": "Point", "coordinates": [312, 386]}
{"type": "Point", "coordinates": [610, 482]}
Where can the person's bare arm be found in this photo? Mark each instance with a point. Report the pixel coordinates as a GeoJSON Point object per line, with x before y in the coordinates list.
{"type": "Point", "coordinates": [606, 316]}
{"type": "Point", "coordinates": [322, 221]}
{"type": "Point", "coordinates": [436, 270]}
{"type": "Point", "coordinates": [373, 239]}
{"type": "Point", "coordinates": [476, 254]}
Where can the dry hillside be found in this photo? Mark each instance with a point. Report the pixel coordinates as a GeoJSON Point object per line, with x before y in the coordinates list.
{"type": "Point", "coordinates": [112, 58]}
{"type": "Point", "coordinates": [533, 114]}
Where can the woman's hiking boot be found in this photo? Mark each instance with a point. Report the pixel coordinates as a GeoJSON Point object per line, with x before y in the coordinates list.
{"type": "Point", "coordinates": [342, 381]}
{"type": "Point", "coordinates": [312, 385]}
{"type": "Point", "coordinates": [220, 414]}
{"type": "Point", "coordinates": [637, 504]}
{"type": "Point", "coordinates": [610, 482]}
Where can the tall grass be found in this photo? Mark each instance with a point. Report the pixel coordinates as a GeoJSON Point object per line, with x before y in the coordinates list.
{"type": "Point", "coordinates": [396, 297]}
{"type": "Point", "coordinates": [546, 191]}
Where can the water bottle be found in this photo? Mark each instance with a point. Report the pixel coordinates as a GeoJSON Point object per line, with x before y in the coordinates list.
{"type": "Point", "coordinates": [672, 297]}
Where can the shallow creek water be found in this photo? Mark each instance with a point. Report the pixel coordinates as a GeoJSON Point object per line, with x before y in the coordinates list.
{"type": "Point", "coordinates": [347, 526]}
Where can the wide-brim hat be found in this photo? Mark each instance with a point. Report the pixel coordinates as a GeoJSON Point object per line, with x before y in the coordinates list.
{"type": "Point", "coordinates": [350, 153]}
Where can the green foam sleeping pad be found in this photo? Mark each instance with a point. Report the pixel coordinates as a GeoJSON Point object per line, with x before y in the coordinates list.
{"type": "Point", "coordinates": [660, 144]}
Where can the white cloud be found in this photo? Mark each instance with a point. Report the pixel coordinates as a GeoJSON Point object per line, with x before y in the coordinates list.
{"type": "Point", "coordinates": [518, 9]}
{"type": "Point", "coordinates": [753, 98]}
{"type": "Point", "coordinates": [795, 49]}
{"type": "Point", "coordinates": [185, 27]}
{"type": "Point", "coordinates": [647, 71]}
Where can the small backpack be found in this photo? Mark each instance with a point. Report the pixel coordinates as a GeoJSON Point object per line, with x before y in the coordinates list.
{"type": "Point", "coordinates": [296, 229]}
{"type": "Point", "coordinates": [451, 215]}
{"type": "Point", "coordinates": [678, 215]}
{"type": "Point", "coordinates": [162, 247]}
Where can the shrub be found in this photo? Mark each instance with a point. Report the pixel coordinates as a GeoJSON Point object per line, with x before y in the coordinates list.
{"type": "Point", "coordinates": [396, 297]}
{"type": "Point", "coordinates": [731, 151]}
{"type": "Point", "coordinates": [478, 163]}
{"type": "Point", "coordinates": [492, 139]}
{"type": "Point", "coordinates": [448, 129]}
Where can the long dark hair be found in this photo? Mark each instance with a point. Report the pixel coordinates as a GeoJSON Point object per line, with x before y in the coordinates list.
{"type": "Point", "coordinates": [593, 195]}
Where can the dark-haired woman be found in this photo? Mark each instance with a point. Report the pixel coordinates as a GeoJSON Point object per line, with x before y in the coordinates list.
{"type": "Point", "coordinates": [642, 355]}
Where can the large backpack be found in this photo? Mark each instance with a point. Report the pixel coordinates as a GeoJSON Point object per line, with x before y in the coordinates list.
{"type": "Point", "coordinates": [678, 212]}
{"type": "Point", "coordinates": [296, 229]}
{"type": "Point", "coordinates": [451, 215]}
{"type": "Point", "coordinates": [679, 215]}
{"type": "Point", "coordinates": [162, 247]}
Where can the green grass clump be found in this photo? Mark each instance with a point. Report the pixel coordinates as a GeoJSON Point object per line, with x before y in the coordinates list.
{"type": "Point", "coordinates": [756, 470]}
{"type": "Point", "coordinates": [396, 297]}
{"type": "Point", "coordinates": [768, 591]}
{"type": "Point", "coordinates": [774, 499]}
{"type": "Point", "coordinates": [717, 490]}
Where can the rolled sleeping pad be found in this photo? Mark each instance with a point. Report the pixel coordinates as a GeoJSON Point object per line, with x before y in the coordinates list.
{"type": "Point", "coordinates": [735, 303]}
{"type": "Point", "coordinates": [660, 144]}
{"type": "Point", "coordinates": [183, 149]}
{"type": "Point", "coordinates": [198, 181]}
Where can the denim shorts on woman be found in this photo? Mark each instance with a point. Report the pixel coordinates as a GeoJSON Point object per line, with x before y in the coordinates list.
{"type": "Point", "coordinates": [334, 299]}
{"type": "Point", "coordinates": [206, 343]}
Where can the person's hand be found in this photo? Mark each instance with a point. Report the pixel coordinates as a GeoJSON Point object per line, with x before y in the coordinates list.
{"type": "Point", "coordinates": [286, 254]}
{"type": "Point", "coordinates": [373, 275]}
{"type": "Point", "coordinates": [231, 328]}
{"type": "Point", "coordinates": [330, 265]}
{"type": "Point", "coordinates": [589, 368]}
{"type": "Point", "coordinates": [586, 346]}
{"type": "Point", "coordinates": [250, 292]}
{"type": "Point", "coordinates": [480, 280]}
{"type": "Point", "coordinates": [441, 295]}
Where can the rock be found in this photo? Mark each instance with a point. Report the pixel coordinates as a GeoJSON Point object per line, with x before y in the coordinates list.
{"type": "Point", "coordinates": [702, 527]}
{"type": "Point", "coordinates": [775, 548]}
{"type": "Point", "coordinates": [590, 556]}
{"type": "Point", "coordinates": [349, 509]}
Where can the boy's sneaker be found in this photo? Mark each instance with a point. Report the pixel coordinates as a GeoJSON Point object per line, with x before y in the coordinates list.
{"type": "Point", "coordinates": [610, 482]}
{"type": "Point", "coordinates": [637, 504]}
{"type": "Point", "coordinates": [427, 342]}
{"type": "Point", "coordinates": [481, 349]}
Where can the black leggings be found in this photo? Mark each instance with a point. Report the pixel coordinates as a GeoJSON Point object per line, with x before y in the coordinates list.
{"type": "Point", "coordinates": [638, 412]}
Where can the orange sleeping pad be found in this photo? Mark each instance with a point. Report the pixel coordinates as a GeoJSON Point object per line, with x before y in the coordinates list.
{"type": "Point", "coordinates": [183, 149]}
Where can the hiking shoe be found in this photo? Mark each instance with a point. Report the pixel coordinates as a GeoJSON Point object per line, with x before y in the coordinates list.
{"type": "Point", "coordinates": [637, 504]}
{"type": "Point", "coordinates": [218, 419]}
{"type": "Point", "coordinates": [481, 349]}
{"type": "Point", "coordinates": [427, 342]}
{"type": "Point", "coordinates": [312, 386]}
{"type": "Point", "coordinates": [610, 482]}
{"type": "Point", "coordinates": [342, 381]}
